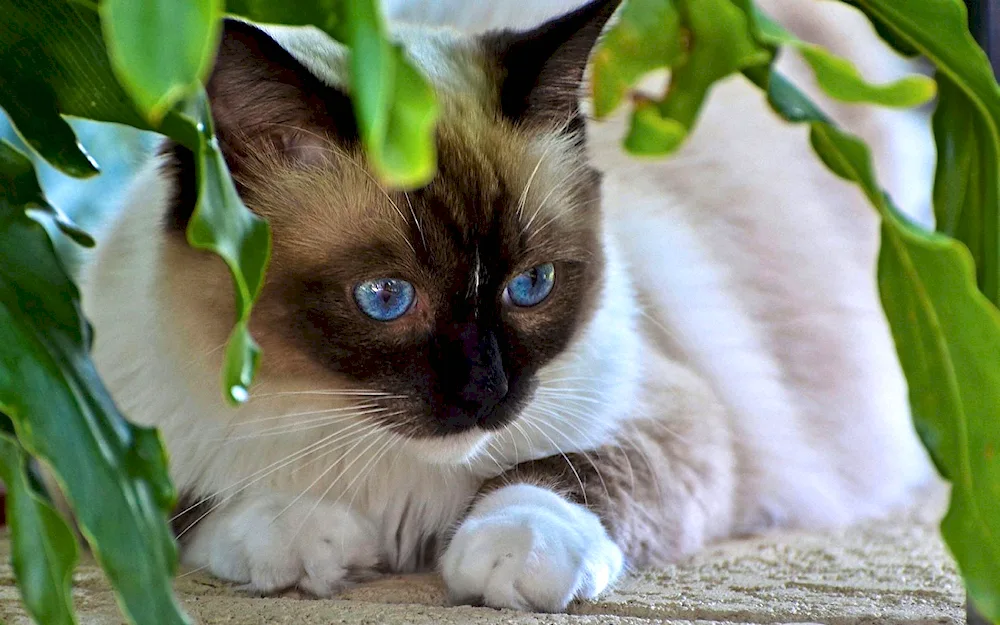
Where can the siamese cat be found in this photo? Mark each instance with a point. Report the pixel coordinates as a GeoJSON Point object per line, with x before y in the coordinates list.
{"type": "Point", "coordinates": [482, 376]}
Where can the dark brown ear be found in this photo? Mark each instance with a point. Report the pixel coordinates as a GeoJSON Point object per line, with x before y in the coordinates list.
{"type": "Point", "coordinates": [261, 94]}
{"type": "Point", "coordinates": [541, 70]}
{"type": "Point", "coordinates": [263, 99]}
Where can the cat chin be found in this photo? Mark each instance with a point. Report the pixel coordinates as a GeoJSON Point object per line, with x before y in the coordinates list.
{"type": "Point", "coordinates": [454, 449]}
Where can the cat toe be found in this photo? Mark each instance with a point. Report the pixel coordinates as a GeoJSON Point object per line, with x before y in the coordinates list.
{"type": "Point", "coordinates": [536, 555]}
{"type": "Point", "coordinates": [271, 546]}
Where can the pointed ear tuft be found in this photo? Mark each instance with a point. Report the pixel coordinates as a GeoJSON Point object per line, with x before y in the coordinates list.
{"type": "Point", "coordinates": [541, 70]}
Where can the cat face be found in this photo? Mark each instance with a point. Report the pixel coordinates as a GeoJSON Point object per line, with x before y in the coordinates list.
{"type": "Point", "coordinates": [444, 302]}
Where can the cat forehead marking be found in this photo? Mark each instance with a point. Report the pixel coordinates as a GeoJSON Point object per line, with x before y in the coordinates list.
{"type": "Point", "coordinates": [495, 184]}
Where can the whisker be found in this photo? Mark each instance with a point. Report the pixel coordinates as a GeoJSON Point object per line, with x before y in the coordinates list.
{"type": "Point", "coordinates": [530, 421]}
{"type": "Point", "coordinates": [204, 354]}
{"type": "Point", "coordinates": [420, 229]}
{"type": "Point", "coordinates": [486, 450]}
{"type": "Point", "coordinates": [300, 414]}
{"type": "Point", "coordinates": [554, 384]}
{"type": "Point", "coordinates": [558, 185]}
{"type": "Point", "coordinates": [658, 323]}
{"type": "Point", "coordinates": [568, 439]}
{"type": "Point", "coordinates": [322, 475]}
{"type": "Point", "coordinates": [592, 418]}
{"type": "Point", "coordinates": [327, 453]}
{"type": "Point", "coordinates": [531, 178]}
{"type": "Point", "coordinates": [558, 216]}
{"type": "Point", "coordinates": [368, 468]}
{"type": "Point", "coordinates": [268, 470]}
{"type": "Point", "coordinates": [376, 458]}
{"type": "Point", "coordinates": [567, 395]}
{"type": "Point", "coordinates": [332, 484]}
{"type": "Point", "coordinates": [339, 393]}
{"type": "Point", "coordinates": [513, 442]}
{"type": "Point", "coordinates": [320, 422]}
{"type": "Point", "coordinates": [193, 571]}
{"type": "Point", "coordinates": [624, 437]}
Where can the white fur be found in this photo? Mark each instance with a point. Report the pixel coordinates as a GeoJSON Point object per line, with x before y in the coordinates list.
{"type": "Point", "coordinates": [422, 486]}
{"type": "Point", "coordinates": [761, 268]}
{"type": "Point", "coordinates": [527, 548]}
{"type": "Point", "coordinates": [763, 265]}
{"type": "Point", "coordinates": [274, 542]}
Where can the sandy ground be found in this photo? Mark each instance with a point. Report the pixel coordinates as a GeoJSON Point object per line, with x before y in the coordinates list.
{"type": "Point", "coordinates": [894, 570]}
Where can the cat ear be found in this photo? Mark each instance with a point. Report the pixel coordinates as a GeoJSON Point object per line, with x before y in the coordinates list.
{"type": "Point", "coordinates": [264, 99]}
{"type": "Point", "coordinates": [541, 70]}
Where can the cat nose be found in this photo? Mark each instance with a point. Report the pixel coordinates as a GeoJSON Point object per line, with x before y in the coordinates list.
{"type": "Point", "coordinates": [485, 382]}
{"type": "Point", "coordinates": [477, 378]}
{"type": "Point", "coordinates": [485, 386]}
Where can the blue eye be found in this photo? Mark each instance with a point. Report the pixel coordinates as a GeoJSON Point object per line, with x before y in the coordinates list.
{"type": "Point", "coordinates": [384, 299]}
{"type": "Point", "coordinates": [531, 287]}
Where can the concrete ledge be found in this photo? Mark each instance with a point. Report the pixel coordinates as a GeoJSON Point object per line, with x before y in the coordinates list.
{"type": "Point", "coordinates": [894, 570]}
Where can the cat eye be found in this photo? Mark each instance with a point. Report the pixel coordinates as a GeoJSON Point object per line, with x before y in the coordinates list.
{"type": "Point", "coordinates": [531, 287]}
{"type": "Point", "coordinates": [384, 299]}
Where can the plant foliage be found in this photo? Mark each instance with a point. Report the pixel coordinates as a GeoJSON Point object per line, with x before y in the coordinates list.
{"type": "Point", "coordinates": [143, 64]}
{"type": "Point", "coordinates": [947, 332]}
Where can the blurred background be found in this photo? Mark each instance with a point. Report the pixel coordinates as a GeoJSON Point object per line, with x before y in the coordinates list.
{"type": "Point", "coordinates": [118, 150]}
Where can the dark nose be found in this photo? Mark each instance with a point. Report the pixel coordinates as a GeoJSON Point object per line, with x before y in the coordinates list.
{"type": "Point", "coordinates": [472, 375]}
{"type": "Point", "coordinates": [486, 382]}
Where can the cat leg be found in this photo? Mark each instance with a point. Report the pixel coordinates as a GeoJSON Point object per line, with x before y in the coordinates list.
{"type": "Point", "coordinates": [562, 528]}
{"type": "Point", "coordinates": [271, 543]}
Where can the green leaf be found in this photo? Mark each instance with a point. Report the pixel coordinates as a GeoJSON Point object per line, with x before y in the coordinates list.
{"type": "Point", "coordinates": [43, 547]}
{"type": "Point", "coordinates": [839, 78]}
{"type": "Point", "coordinates": [646, 37]}
{"type": "Point", "coordinates": [322, 14]}
{"type": "Point", "coordinates": [968, 149]}
{"type": "Point", "coordinates": [714, 41]}
{"type": "Point", "coordinates": [223, 225]}
{"type": "Point", "coordinates": [161, 50]}
{"type": "Point", "coordinates": [54, 60]}
{"type": "Point", "coordinates": [31, 46]}
{"type": "Point", "coordinates": [404, 154]}
{"type": "Point", "coordinates": [112, 473]}
{"type": "Point", "coordinates": [966, 169]}
{"type": "Point", "coordinates": [947, 336]}
{"type": "Point", "coordinates": [720, 44]}
{"type": "Point", "coordinates": [652, 135]}
{"type": "Point", "coordinates": [61, 43]}
{"type": "Point", "coordinates": [394, 104]}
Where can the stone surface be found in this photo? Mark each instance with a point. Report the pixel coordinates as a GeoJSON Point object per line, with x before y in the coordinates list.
{"type": "Point", "coordinates": [889, 571]}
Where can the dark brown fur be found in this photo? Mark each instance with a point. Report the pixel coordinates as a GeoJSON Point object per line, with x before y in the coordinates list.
{"type": "Point", "coordinates": [461, 357]}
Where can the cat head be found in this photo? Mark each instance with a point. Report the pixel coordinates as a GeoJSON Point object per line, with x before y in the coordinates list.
{"type": "Point", "coordinates": [445, 307]}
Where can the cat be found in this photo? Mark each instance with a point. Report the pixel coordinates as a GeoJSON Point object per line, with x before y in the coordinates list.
{"type": "Point", "coordinates": [482, 376]}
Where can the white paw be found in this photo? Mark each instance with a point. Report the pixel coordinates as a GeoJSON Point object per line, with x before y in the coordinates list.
{"type": "Point", "coordinates": [527, 548]}
{"type": "Point", "coordinates": [269, 545]}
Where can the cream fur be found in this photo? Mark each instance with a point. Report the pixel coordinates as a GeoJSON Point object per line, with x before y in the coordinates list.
{"type": "Point", "coordinates": [765, 264]}
{"type": "Point", "coordinates": [756, 265]}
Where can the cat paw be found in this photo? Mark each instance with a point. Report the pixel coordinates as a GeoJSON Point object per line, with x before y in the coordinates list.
{"type": "Point", "coordinates": [527, 548]}
{"type": "Point", "coordinates": [270, 544]}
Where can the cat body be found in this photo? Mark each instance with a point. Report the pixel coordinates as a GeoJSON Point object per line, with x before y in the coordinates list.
{"type": "Point", "coordinates": [528, 452]}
